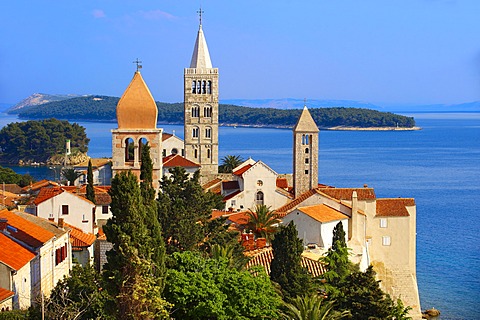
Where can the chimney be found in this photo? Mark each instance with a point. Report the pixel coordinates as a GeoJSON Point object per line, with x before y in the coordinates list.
{"type": "Point", "coordinates": [3, 225]}
{"type": "Point", "coordinates": [60, 223]}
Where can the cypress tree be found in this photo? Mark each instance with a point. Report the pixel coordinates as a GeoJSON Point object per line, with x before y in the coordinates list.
{"type": "Point", "coordinates": [130, 265]}
{"type": "Point", "coordinates": [286, 269]}
{"type": "Point", "coordinates": [151, 219]}
{"type": "Point", "coordinates": [90, 191]}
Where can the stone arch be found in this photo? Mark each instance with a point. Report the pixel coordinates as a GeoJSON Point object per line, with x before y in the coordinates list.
{"type": "Point", "coordinates": [142, 141]}
{"type": "Point", "coordinates": [129, 144]}
{"type": "Point", "coordinates": [259, 198]}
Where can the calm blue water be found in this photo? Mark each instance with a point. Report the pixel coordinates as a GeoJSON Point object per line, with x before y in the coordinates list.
{"type": "Point", "coordinates": [439, 166]}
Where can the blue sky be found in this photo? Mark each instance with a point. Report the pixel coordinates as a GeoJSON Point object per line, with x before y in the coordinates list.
{"type": "Point", "coordinates": [384, 52]}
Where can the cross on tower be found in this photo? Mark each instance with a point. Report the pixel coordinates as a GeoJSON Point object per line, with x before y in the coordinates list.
{"type": "Point", "coordinates": [200, 12]}
{"type": "Point", "coordinates": [138, 62]}
{"type": "Point", "coordinates": [304, 101]}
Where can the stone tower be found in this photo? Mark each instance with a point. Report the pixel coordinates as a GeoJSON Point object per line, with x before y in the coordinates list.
{"type": "Point", "coordinates": [137, 124]}
{"type": "Point", "coordinates": [305, 153]}
{"type": "Point", "coordinates": [201, 109]}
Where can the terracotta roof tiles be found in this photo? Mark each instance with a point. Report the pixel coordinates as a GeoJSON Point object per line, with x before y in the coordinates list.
{"type": "Point", "coordinates": [176, 160]}
{"type": "Point", "coordinates": [282, 211]}
{"type": "Point", "coordinates": [322, 213]}
{"type": "Point", "coordinates": [80, 238]}
{"type": "Point", "coordinates": [27, 231]}
{"type": "Point", "coordinates": [47, 193]}
{"type": "Point", "coordinates": [282, 183]}
{"type": "Point", "coordinates": [211, 183]}
{"type": "Point", "coordinates": [395, 207]}
{"type": "Point", "coordinates": [166, 136]}
{"type": "Point", "coordinates": [242, 170]}
{"type": "Point", "coordinates": [346, 193]}
{"type": "Point", "coordinates": [13, 254]}
{"type": "Point", "coordinates": [5, 294]}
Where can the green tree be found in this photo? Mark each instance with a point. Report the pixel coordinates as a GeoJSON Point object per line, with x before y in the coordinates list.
{"type": "Point", "coordinates": [229, 163]}
{"type": "Point", "coordinates": [153, 225]}
{"type": "Point", "coordinates": [129, 268]}
{"type": "Point", "coordinates": [78, 296]}
{"type": "Point", "coordinates": [312, 307]}
{"type": "Point", "coordinates": [286, 269]}
{"type": "Point", "coordinates": [7, 175]}
{"type": "Point", "coordinates": [184, 210]}
{"type": "Point", "coordinates": [263, 222]}
{"type": "Point", "coordinates": [70, 175]}
{"type": "Point", "coordinates": [90, 190]}
{"type": "Point", "coordinates": [203, 288]}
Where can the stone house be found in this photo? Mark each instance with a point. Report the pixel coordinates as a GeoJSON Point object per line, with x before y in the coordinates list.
{"type": "Point", "coordinates": [172, 144]}
{"type": "Point", "coordinates": [101, 170]}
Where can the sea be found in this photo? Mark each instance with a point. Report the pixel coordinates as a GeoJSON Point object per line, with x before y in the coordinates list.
{"type": "Point", "coordinates": [438, 165]}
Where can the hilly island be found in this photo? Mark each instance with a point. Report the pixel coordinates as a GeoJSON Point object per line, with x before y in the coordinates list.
{"type": "Point", "coordinates": [102, 108]}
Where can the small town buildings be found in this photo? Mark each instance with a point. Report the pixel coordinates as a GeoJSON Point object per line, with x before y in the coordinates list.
{"type": "Point", "coordinates": [176, 160]}
{"type": "Point", "coordinates": [101, 170]}
{"type": "Point", "coordinates": [82, 246]}
{"type": "Point", "coordinates": [56, 203]}
{"type": "Point", "coordinates": [172, 144]}
{"type": "Point", "coordinates": [6, 299]}
{"type": "Point", "coordinates": [43, 258]}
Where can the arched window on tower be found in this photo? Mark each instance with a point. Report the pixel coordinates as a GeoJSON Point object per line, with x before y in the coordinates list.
{"type": "Point", "coordinates": [204, 87]}
{"type": "Point", "coordinates": [259, 198]}
{"type": "Point", "coordinates": [307, 139]}
{"type": "Point", "coordinates": [209, 153]}
{"type": "Point", "coordinates": [195, 132]}
{"type": "Point", "coordinates": [195, 153]}
{"type": "Point", "coordinates": [194, 86]}
{"type": "Point", "coordinates": [306, 150]}
{"type": "Point", "coordinates": [199, 86]}
{"type": "Point", "coordinates": [142, 143]}
{"type": "Point", "coordinates": [129, 150]}
{"type": "Point", "coordinates": [208, 132]}
{"type": "Point", "coordinates": [207, 112]}
{"type": "Point", "coordinates": [209, 87]}
{"type": "Point", "coordinates": [195, 112]}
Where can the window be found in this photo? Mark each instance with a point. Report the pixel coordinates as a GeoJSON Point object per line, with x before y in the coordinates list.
{"type": "Point", "coordinates": [105, 209]}
{"type": "Point", "coordinates": [64, 208]}
{"type": "Point", "coordinates": [306, 160]}
{"type": "Point", "coordinates": [233, 202]}
{"type": "Point", "coordinates": [207, 112]}
{"type": "Point", "coordinates": [306, 171]}
{"type": "Point", "coordinates": [208, 132]}
{"type": "Point", "coordinates": [383, 222]}
{"type": "Point", "coordinates": [142, 142]}
{"type": "Point", "coordinates": [306, 150]}
{"type": "Point", "coordinates": [194, 86]}
{"type": "Point", "coordinates": [60, 255]}
{"type": "Point", "coordinates": [174, 151]}
{"type": "Point", "coordinates": [195, 132]}
{"type": "Point", "coordinates": [204, 87]}
{"type": "Point", "coordinates": [164, 153]}
{"type": "Point", "coordinates": [386, 241]}
{"type": "Point", "coordinates": [195, 112]}
{"type": "Point", "coordinates": [259, 183]}
{"type": "Point", "coordinates": [129, 150]}
{"type": "Point", "coordinates": [195, 153]}
{"type": "Point", "coordinates": [259, 198]}
{"type": "Point", "coordinates": [199, 86]}
{"type": "Point", "coordinates": [209, 87]}
{"type": "Point", "coordinates": [209, 153]}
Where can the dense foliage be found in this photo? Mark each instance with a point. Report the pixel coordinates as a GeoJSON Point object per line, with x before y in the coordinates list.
{"type": "Point", "coordinates": [103, 108]}
{"type": "Point", "coordinates": [204, 288]}
{"type": "Point", "coordinates": [39, 140]}
{"type": "Point", "coordinates": [286, 268]}
{"type": "Point", "coordinates": [7, 176]}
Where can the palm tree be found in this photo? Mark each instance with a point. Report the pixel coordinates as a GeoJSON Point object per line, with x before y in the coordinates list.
{"type": "Point", "coordinates": [227, 252]}
{"type": "Point", "coordinates": [263, 221]}
{"type": "Point", "coordinates": [229, 163]}
{"type": "Point", "coordinates": [312, 307]}
{"type": "Point", "coordinates": [71, 175]}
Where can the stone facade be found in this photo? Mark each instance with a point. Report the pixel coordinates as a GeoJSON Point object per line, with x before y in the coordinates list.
{"type": "Point", "coordinates": [305, 154]}
{"type": "Point", "coordinates": [201, 109]}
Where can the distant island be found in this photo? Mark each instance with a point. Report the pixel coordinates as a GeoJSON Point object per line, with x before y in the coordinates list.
{"type": "Point", "coordinates": [102, 108]}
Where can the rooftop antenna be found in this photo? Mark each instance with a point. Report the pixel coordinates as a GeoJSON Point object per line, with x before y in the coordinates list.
{"type": "Point", "coordinates": [200, 12]}
{"type": "Point", "coordinates": [138, 62]}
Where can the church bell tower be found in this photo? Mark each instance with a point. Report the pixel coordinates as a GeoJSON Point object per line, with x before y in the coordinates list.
{"type": "Point", "coordinates": [201, 108]}
{"type": "Point", "coordinates": [305, 154]}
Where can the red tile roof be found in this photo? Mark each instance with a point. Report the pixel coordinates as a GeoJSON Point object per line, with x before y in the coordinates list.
{"type": "Point", "coordinates": [39, 184]}
{"type": "Point", "coordinates": [346, 193]}
{"type": "Point", "coordinates": [283, 210]}
{"type": "Point", "coordinates": [96, 162]}
{"type": "Point", "coordinates": [239, 218]}
{"type": "Point", "coordinates": [282, 183]}
{"type": "Point", "coordinates": [166, 136]}
{"type": "Point", "coordinates": [13, 254]}
{"type": "Point", "coordinates": [27, 232]}
{"type": "Point", "coordinates": [230, 185]}
{"type": "Point", "coordinates": [47, 193]}
{"type": "Point", "coordinates": [176, 160]}
{"type": "Point", "coordinates": [211, 183]}
{"type": "Point", "coordinates": [13, 188]}
{"type": "Point", "coordinates": [5, 294]}
{"type": "Point", "coordinates": [323, 213]}
{"type": "Point", "coordinates": [394, 207]}
{"type": "Point", "coordinates": [80, 238]}
{"type": "Point", "coordinates": [241, 170]}
{"type": "Point", "coordinates": [264, 258]}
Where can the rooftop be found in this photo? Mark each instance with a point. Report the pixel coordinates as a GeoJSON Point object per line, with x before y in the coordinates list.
{"type": "Point", "coordinates": [13, 254]}
{"type": "Point", "coordinates": [322, 213]}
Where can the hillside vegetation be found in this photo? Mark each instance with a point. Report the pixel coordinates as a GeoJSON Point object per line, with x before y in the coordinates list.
{"type": "Point", "coordinates": [37, 141]}
{"type": "Point", "coordinates": [102, 108]}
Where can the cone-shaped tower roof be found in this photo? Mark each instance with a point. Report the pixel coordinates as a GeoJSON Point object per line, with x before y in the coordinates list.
{"type": "Point", "coordinates": [136, 108]}
{"type": "Point", "coordinates": [305, 122]}
{"type": "Point", "coordinates": [201, 56]}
